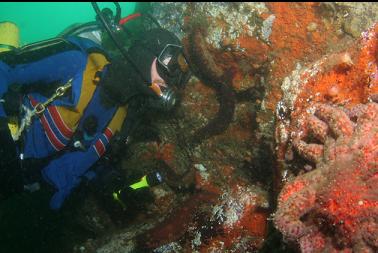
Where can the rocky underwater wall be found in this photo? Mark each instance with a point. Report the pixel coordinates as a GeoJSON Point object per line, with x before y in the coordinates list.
{"type": "Point", "coordinates": [274, 147]}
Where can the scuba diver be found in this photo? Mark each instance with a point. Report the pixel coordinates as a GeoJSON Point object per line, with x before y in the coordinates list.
{"type": "Point", "coordinates": [64, 100]}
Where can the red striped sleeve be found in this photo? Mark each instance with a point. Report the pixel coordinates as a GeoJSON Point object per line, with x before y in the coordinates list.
{"type": "Point", "coordinates": [99, 147]}
{"type": "Point", "coordinates": [108, 134]}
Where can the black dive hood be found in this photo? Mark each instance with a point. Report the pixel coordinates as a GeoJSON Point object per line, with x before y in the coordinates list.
{"type": "Point", "coordinates": [139, 58]}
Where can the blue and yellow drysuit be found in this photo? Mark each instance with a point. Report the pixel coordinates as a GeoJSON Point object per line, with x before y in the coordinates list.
{"type": "Point", "coordinates": [82, 61]}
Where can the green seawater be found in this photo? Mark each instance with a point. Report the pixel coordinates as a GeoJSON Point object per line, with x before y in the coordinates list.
{"type": "Point", "coordinates": [44, 20]}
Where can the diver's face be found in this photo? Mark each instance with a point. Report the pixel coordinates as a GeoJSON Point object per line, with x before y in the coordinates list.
{"type": "Point", "coordinates": [167, 95]}
{"type": "Point", "coordinates": [158, 84]}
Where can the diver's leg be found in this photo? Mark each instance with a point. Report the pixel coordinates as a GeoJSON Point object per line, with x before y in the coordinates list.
{"type": "Point", "coordinates": [10, 170]}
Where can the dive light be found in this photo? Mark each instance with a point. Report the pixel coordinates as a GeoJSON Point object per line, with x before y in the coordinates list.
{"type": "Point", "coordinates": [149, 180]}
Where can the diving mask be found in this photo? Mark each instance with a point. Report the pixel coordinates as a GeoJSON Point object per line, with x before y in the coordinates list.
{"type": "Point", "coordinates": [174, 65]}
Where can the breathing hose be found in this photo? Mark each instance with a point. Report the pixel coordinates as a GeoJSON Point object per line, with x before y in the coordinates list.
{"type": "Point", "coordinates": [114, 37]}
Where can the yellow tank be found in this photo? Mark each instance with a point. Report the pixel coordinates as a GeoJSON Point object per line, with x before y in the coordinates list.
{"type": "Point", "coordinates": [10, 39]}
{"type": "Point", "coordinates": [9, 36]}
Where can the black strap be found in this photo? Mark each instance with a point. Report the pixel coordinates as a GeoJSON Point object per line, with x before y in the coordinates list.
{"type": "Point", "coordinates": [135, 111]}
{"type": "Point", "coordinates": [36, 51]}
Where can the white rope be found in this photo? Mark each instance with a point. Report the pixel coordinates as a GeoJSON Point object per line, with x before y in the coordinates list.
{"type": "Point", "coordinates": [39, 109]}
{"type": "Point", "coordinates": [25, 122]}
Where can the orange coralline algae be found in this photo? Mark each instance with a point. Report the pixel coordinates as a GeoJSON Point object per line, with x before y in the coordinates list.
{"type": "Point", "coordinates": [239, 223]}
{"type": "Point", "coordinates": [166, 153]}
{"type": "Point", "coordinates": [334, 208]}
{"type": "Point", "coordinates": [292, 42]}
{"type": "Point", "coordinates": [346, 78]}
{"type": "Point", "coordinates": [176, 225]}
{"type": "Point", "coordinates": [290, 28]}
{"type": "Point", "coordinates": [215, 219]}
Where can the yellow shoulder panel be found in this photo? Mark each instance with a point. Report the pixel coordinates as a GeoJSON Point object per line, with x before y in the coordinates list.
{"type": "Point", "coordinates": [71, 117]}
{"type": "Point", "coordinates": [116, 123]}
